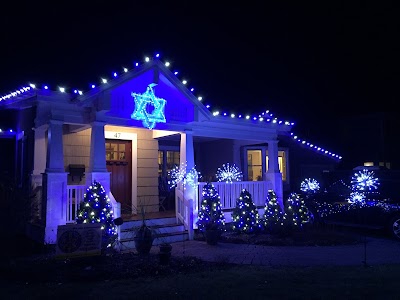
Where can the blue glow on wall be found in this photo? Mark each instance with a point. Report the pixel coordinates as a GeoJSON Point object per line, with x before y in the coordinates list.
{"type": "Point", "coordinates": [145, 101]}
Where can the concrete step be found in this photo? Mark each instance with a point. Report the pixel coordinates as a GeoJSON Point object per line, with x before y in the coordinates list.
{"type": "Point", "coordinates": [129, 244]}
{"type": "Point", "coordinates": [149, 222]}
{"type": "Point", "coordinates": [157, 229]}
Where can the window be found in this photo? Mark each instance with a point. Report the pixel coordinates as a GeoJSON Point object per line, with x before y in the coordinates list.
{"type": "Point", "coordinates": [115, 151]}
{"type": "Point", "coordinates": [256, 166]}
{"type": "Point", "coordinates": [281, 163]}
{"type": "Point", "coordinates": [167, 160]}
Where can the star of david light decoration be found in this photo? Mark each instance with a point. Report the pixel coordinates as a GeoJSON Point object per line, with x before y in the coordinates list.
{"type": "Point", "coordinates": [155, 104]}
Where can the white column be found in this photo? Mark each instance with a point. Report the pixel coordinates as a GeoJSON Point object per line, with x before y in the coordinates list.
{"type": "Point", "coordinates": [39, 158]}
{"type": "Point", "coordinates": [187, 155]}
{"type": "Point", "coordinates": [187, 149]}
{"type": "Point", "coordinates": [273, 165]}
{"type": "Point", "coordinates": [97, 148]}
{"type": "Point", "coordinates": [273, 174]}
{"type": "Point", "coordinates": [97, 163]}
{"type": "Point", "coordinates": [54, 182]}
{"type": "Point", "coordinates": [55, 152]}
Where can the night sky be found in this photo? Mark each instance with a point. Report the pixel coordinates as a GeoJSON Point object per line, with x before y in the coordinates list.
{"type": "Point", "coordinates": [307, 63]}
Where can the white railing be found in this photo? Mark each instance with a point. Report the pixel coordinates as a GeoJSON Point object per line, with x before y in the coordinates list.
{"type": "Point", "coordinates": [229, 192]}
{"type": "Point", "coordinates": [75, 194]}
{"type": "Point", "coordinates": [184, 211]}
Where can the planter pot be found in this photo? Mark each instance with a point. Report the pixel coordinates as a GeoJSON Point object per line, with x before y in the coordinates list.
{"type": "Point", "coordinates": [212, 236]}
{"type": "Point", "coordinates": [143, 245]}
{"type": "Point", "coordinates": [143, 240]}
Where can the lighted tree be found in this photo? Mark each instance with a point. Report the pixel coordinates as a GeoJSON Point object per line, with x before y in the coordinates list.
{"type": "Point", "coordinates": [245, 217]}
{"type": "Point", "coordinates": [273, 216]}
{"type": "Point", "coordinates": [96, 208]}
{"type": "Point", "coordinates": [210, 212]}
{"type": "Point", "coordinates": [291, 217]}
{"type": "Point", "coordinates": [301, 208]}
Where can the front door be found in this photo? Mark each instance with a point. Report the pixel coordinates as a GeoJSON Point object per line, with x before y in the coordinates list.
{"type": "Point", "coordinates": [119, 163]}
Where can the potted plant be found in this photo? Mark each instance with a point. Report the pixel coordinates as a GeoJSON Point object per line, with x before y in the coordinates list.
{"type": "Point", "coordinates": [144, 237]}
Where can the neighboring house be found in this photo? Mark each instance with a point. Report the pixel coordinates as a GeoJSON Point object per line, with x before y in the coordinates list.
{"type": "Point", "coordinates": [128, 133]}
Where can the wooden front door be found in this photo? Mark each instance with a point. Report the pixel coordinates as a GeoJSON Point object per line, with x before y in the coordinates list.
{"type": "Point", "coordinates": [119, 163]}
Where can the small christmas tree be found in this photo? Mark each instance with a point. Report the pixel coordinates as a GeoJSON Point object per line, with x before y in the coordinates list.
{"type": "Point", "coordinates": [301, 209]}
{"type": "Point", "coordinates": [290, 217]}
{"type": "Point", "coordinates": [96, 208]}
{"type": "Point", "coordinates": [245, 215]}
{"type": "Point", "coordinates": [273, 215]}
{"type": "Point", "coordinates": [210, 213]}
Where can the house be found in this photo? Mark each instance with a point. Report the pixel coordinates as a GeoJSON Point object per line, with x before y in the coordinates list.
{"type": "Point", "coordinates": [128, 133]}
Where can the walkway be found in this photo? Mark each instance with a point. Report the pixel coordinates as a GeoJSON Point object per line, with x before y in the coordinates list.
{"type": "Point", "coordinates": [378, 251]}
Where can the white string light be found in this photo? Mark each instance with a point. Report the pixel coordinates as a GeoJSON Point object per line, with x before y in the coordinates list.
{"type": "Point", "coordinates": [265, 117]}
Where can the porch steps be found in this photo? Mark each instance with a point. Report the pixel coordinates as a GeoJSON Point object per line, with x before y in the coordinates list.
{"type": "Point", "coordinates": [166, 230]}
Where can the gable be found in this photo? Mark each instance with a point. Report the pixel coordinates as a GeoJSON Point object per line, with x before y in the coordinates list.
{"type": "Point", "coordinates": [179, 106]}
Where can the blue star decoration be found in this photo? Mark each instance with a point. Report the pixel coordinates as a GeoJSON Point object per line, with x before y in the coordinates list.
{"type": "Point", "coordinates": [145, 101]}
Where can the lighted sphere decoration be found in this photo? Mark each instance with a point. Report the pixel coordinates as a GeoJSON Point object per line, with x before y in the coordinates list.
{"type": "Point", "coordinates": [309, 185]}
{"type": "Point", "coordinates": [192, 177]}
{"type": "Point", "coordinates": [176, 175]}
{"type": "Point", "coordinates": [180, 174]}
{"type": "Point", "coordinates": [229, 173]}
{"type": "Point", "coordinates": [364, 181]}
{"type": "Point", "coordinates": [356, 197]}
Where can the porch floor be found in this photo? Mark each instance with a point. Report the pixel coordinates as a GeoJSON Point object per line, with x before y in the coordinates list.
{"type": "Point", "coordinates": [150, 215]}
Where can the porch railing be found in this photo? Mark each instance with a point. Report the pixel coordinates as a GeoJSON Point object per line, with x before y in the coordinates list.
{"type": "Point", "coordinates": [75, 194]}
{"type": "Point", "coordinates": [184, 211]}
{"type": "Point", "coordinates": [229, 192]}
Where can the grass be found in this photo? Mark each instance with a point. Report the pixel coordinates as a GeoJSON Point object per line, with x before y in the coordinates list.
{"type": "Point", "coordinates": [129, 276]}
{"type": "Point", "coordinates": [236, 282]}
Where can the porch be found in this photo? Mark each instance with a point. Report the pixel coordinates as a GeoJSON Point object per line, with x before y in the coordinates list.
{"type": "Point", "coordinates": [228, 193]}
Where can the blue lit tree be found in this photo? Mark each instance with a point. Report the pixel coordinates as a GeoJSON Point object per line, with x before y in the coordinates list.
{"type": "Point", "coordinates": [296, 212]}
{"type": "Point", "coordinates": [96, 208]}
{"type": "Point", "coordinates": [273, 216]}
{"type": "Point", "coordinates": [290, 217]}
{"type": "Point", "coordinates": [245, 217]}
{"type": "Point", "coordinates": [210, 212]}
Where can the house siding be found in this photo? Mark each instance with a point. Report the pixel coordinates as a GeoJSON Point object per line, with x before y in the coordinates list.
{"type": "Point", "coordinates": [76, 146]}
{"type": "Point", "coordinates": [147, 162]}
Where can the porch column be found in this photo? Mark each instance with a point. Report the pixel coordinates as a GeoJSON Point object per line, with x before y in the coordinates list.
{"type": "Point", "coordinates": [187, 155]}
{"type": "Point", "coordinates": [273, 174]}
{"type": "Point", "coordinates": [39, 159]}
{"type": "Point", "coordinates": [55, 151]}
{"type": "Point", "coordinates": [54, 182]}
{"type": "Point", "coordinates": [97, 164]}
